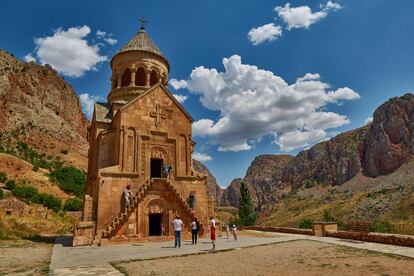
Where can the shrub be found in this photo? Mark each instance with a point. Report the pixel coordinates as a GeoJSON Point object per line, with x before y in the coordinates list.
{"type": "Point", "coordinates": [64, 151]}
{"type": "Point", "coordinates": [309, 183]}
{"type": "Point", "coordinates": [73, 204]}
{"type": "Point", "coordinates": [327, 216]}
{"type": "Point", "coordinates": [32, 194]}
{"type": "Point", "coordinates": [69, 179]}
{"type": "Point", "coordinates": [10, 184]}
{"type": "Point", "coordinates": [3, 177]}
{"type": "Point", "coordinates": [1, 194]}
{"type": "Point", "coordinates": [50, 201]}
{"type": "Point", "coordinates": [306, 224]}
{"type": "Point", "coordinates": [35, 168]}
{"type": "Point", "coordinates": [27, 192]}
{"type": "Point", "coordinates": [382, 227]}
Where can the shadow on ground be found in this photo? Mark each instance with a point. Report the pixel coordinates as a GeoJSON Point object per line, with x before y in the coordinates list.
{"type": "Point", "coordinates": [41, 239]}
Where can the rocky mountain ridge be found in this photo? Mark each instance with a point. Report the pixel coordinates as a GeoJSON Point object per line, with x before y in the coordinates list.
{"type": "Point", "coordinates": [378, 148]}
{"type": "Point", "coordinates": [37, 98]}
{"type": "Point", "coordinates": [213, 189]}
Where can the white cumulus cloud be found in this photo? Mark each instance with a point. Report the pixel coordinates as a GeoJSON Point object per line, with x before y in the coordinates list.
{"type": "Point", "coordinates": [303, 16]}
{"type": "Point", "coordinates": [264, 33]}
{"type": "Point", "coordinates": [253, 103]}
{"type": "Point", "coordinates": [180, 98]}
{"type": "Point", "coordinates": [368, 120]}
{"type": "Point", "coordinates": [202, 157]}
{"type": "Point", "coordinates": [88, 102]}
{"type": "Point", "coordinates": [68, 51]}
{"type": "Point", "coordinates": [107, 37]}
{"type": "Point", "coordinates": [176, 84]}
{"type": "Point", "coordinates": [29, 57]}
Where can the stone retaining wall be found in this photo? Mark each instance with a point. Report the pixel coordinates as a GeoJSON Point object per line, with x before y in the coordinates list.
{"type": "Point", "coordinates": [374, 237]}
{"type": "Point", "coordinates": [393, 239]}
{"type": "Point", "coordinates": [281, 230]}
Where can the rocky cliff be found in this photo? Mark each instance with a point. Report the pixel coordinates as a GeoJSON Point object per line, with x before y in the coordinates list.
{"type": "Point", "coordinates": [389, 142]}
{"type": "Point", "coordinates": [231, 194]}
{"type": "Point", "coordinates": [37, 98]}
{"type": "Point", "coordinates": [213, 189]}
{"type": "Point", "coordinates": [378, 148]}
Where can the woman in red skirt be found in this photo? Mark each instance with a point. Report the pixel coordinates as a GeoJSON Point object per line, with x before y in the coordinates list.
{"type": "Point", "coordinates": [213, 233]}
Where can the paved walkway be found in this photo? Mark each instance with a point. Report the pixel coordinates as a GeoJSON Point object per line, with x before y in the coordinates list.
{"type": "Point", "coordinates": [94, 260]}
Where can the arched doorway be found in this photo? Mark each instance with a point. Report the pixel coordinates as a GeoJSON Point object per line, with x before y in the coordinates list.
{"type": "Point", "coordinates": [158, 160]}
{"type": "Point", "coordinates": [156, 217]}
{"type": "Point", "coordinates": [156, 167]}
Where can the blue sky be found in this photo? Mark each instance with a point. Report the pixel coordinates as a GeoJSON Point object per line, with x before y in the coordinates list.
{"type": "Point", "coordinates": [351, 56]}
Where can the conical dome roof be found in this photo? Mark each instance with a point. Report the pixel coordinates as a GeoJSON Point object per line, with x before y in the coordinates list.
{"type": "Point", "coordinates": [141, 42]}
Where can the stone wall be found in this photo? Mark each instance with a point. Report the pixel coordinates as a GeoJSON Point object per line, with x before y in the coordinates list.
{"type": "Point", "coordinates": [374, 237]}
{"type": "Point", "coordinates": [281, 230]}
{"type": "Point", "coordinates": [12, 206]}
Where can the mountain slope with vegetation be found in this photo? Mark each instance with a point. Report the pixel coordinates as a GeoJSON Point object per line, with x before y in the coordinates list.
{"type": "Point", "coordinates": [312, 185]}
{"type": "Point", "coordinates": [43, 148]}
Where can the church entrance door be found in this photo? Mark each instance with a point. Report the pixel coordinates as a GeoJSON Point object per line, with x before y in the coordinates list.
{"type": "Point", "coordinates": [156, 168]}
{"type": "Point", "coordinates": [155, 224]}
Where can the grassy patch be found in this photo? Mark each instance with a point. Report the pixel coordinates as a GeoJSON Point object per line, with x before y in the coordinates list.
{"type": "Point", "coordinates": [70, 179]}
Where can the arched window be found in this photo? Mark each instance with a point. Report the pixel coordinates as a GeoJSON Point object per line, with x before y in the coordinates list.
{"type": "Point", "coordinates": [126, 78]}
{"type": "Point", "coordinates": [140, 77]}
{"type": "Point", "coordinates": [153, 78]}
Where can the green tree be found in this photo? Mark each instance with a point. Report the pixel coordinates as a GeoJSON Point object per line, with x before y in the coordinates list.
{"type": "Point", "coordinates": [69, 179]}
{"type": "Point", "coordinates": [3, 177]}
{"type": "Point", "coordinates": [73, 204]}
{"type": "Point", "coordinates": [50, 201]}
{"type": "Point", "coordinates": [10, 184]}
{"type": "Point", "coordinates": [247, 215]}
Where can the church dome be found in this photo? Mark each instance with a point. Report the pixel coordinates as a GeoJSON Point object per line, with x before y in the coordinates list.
{"type": "Point", "coordinates": [142, 42]}
{"type": "Point", "coordinates": [137, 66]}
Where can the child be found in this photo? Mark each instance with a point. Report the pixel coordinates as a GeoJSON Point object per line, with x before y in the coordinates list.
{"type": "Point", "coordinates": [234, 232]}
{"type": "Point", "coordinates": [213, 235]}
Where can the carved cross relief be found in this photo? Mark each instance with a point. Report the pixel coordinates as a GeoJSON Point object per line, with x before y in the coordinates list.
{"type": "Point", "coordinates": [158, 115]}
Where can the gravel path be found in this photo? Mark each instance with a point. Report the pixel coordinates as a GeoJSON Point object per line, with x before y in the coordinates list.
{"type": "Point", "coordinates": [22, 257]}
{"type": "Point", "coordinates": [300, 257]}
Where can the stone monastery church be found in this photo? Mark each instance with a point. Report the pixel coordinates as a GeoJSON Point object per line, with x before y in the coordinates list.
{"type": "Point", "coordinates": [132, 138]}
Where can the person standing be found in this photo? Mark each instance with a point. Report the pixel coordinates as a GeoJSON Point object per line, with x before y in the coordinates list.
{"type": "Point", "coordinates": [212, 221]}
{"type": "Point", "coordinates": [191, 200]}
{"type": "Point", "coordinates": [213, 233]}
{"type": "Point", "coordinates": [127, 196]}
{"type": "Point", "coordinates": [227, 231]}
{"type": "Point", "coordinates": [194, 231]}
{"type": "Point", "coordinates": [168, 169]}
{"type": "Point", "coordinates": [177, 229]}
{"type": "Point", "coordinates": [162, 229]}
{"type": "Point", "coordinates": [234, 232]}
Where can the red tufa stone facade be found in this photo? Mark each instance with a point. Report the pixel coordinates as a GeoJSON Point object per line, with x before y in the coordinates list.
{"type": "Point", "coordinates": [132, 138]}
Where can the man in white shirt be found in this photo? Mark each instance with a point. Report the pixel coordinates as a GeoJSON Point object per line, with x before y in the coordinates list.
{"type": "Point", "coordinates": [177, 229]}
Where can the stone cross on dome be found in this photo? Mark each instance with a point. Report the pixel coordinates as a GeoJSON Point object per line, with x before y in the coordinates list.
{"type": "Point", "coordinates": [143, 22]}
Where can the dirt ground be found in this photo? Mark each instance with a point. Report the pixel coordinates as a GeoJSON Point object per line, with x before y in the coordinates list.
{"type": "Point", "coordinates": [290, 258]}
{"type": "Point", "coordinates": [23, 257]}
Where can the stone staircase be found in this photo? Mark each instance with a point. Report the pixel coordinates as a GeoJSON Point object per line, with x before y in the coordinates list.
{"type": "Point", "coordinates": [183, 204]}
{"type": "Point", "coordinates": [123, 216]}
